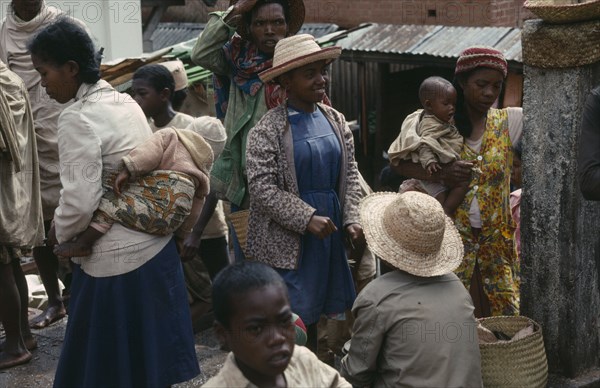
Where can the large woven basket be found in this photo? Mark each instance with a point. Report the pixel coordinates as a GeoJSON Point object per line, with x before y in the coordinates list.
{"type": "Point", "coordinates": [564, 11]}
{"type": "Point", "coordinates": [561, 46]}
{"type": "Point", "coordinates": [519, 363]}
{"type": "Point", "coordinates": [239, 222]}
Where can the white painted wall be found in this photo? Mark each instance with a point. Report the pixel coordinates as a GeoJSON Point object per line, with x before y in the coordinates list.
{"type": "Point", "coordinates": [115, 24]}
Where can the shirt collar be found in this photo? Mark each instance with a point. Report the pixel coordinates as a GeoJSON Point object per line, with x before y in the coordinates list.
{"type": "Point", "coordinates": [87, 90]}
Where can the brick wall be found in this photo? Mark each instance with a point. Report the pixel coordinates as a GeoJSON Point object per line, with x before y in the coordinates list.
{"type": "Point", "coordinates": [349, 13]}
{"type": "Point", "coordinates": [195, 11]}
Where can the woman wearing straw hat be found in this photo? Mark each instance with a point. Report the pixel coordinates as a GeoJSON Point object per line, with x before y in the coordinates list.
{"type": "Point", "coordinates": [242, 98]}
{"type": "Point", "coordinates": [490, 270]}
{"type": "Point", "coordinates": [414, 327]}
{"type": "Point", "coordinates": [304, 186]}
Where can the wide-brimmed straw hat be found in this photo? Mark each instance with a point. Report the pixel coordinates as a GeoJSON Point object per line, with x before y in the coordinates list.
{"type": "Point", "coordinates": [296, 51]}
{"type": "Point", "coordinates": [296, 19]}
{"type": "Point", "coordinates": [411, 232]}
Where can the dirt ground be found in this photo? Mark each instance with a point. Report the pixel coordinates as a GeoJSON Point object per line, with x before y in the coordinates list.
{"type": "Point", "coordinates": [40, 371]}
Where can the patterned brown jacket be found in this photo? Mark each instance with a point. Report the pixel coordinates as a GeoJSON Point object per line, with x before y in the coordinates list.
{"type": "Point", "coordinates": [278, 217]}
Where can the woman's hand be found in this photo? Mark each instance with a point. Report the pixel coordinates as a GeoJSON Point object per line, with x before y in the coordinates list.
{"type": "Point", "coordinates": [356, 238]}
{"type": "Point", "coordinates": [120, 179]}
{"type": "Point", "coordinates": [456, 173]}
{"type": "Point", "coordinates": [321, 226]}
{"type": "Point", "coordinates": [179, 243]}
{"type": "Point", "coordinates": [51, 239]}
{"type": "Point", "coordinates": [191, 244]}
{"type": "Point", "coordinates": [357, 244]}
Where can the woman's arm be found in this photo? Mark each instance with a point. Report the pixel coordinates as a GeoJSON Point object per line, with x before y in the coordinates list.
{"type": "Point", "coordinates": [352, 228]}
{"type": "Point", "coordinates": [267, 195]}
{"type": "Point", "coordinates": [193, 240]}
{"type": "Point", "coordinates": [452, 174]}
{"type": "Point", "coordinates": [353, 193]}
{"type": "Point", "coordinates": [80, 174]}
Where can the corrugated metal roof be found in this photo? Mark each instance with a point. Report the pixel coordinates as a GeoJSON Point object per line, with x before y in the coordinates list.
{"type": "Point", "coordinates": [432, 40]}
{"type": "Point", "coordinates": [170, 34]}
{"type": "Point", "coordinates": [318, 29]}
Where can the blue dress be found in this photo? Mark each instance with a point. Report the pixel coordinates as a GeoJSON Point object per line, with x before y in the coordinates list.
{"type": "Point", "coordinates": [322, 284]}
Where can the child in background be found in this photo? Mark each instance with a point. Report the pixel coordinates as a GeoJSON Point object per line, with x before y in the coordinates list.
{"type": "Point", "coordinates": [209, 235]}
{"type": "Point", "coordinates": [515, 195]}
{"type": "Point", "coordinates": [170, 180]}
{"type": "Point", "coordinates": [429, 136]}
{"type": "Point", "coordinates": [153, 89]}
{"type": "Point", "coordinates": [254, 320]}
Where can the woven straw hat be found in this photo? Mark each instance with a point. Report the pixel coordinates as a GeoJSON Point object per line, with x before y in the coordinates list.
{"type": "Point", "coordinates": [296, 15]}
{"type": "Point", "coordinates": [559, 46]}
{"type": "Point", "coordinates": [178, 72]}
{"type": "Point", "coordinates": [564, 11]}
{"type": "Point", "coordinates": [212, 130]}
{"type": "Point", "coordinates": [296, 51]}
{"type": "Point", "coordinates": [411, 232]}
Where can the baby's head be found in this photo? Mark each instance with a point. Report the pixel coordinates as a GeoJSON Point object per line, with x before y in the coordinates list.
{"type": "Point", "coordinates": [438, 97]}
{"type": "Point", "coordinates": [253, 319]}
{"type": "Point", "coordinates": [153, 86]}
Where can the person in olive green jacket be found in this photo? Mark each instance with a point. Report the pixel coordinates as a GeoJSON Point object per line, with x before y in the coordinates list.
{"type": "Point", "coordinates": [242, 98]}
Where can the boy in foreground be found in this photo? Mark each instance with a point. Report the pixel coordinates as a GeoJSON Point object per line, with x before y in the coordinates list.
{"type": "Point", "coordinates": [254, 320]}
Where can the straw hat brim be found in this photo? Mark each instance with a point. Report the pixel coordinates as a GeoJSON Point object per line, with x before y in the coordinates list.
{"type": "Point", "coordinates": [564, 13]}
{"type": "Point", "coordinates": [297, 13]}
{"type": "Point", "coordinates": [381, 243]}
{"type": "Point", "coordinates": [329, 54]}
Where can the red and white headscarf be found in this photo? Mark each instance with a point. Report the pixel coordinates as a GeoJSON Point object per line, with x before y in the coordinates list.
{"type": "Point", "coordinates": [481, 56]}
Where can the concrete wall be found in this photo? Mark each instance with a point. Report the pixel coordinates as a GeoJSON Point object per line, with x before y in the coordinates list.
{"type": "Point", "coordinates": [115, 24]}
{"type": "Point", "coordinates": [560, 230]}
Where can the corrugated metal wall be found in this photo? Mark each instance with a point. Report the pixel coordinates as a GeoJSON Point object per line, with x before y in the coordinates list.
{"type": "Point", "coordinates": [345, 87]}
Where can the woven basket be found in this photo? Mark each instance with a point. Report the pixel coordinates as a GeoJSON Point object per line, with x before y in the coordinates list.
{"type": "Point", "coordinates": [564, 11]}
{"type": "Point", "coordinates": [519, 363]}
{"type": "Point", "coordinates": [239, 222]}
{"type": "Point", "coordinates": [554, 46]}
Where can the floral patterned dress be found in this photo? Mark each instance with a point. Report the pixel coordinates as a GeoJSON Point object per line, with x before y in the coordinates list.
{"type": "Point", "coordinates": [493, 250]}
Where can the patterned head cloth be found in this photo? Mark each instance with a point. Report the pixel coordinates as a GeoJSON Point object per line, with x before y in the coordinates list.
{"type": "Point", "coordinates": [480, 56]}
